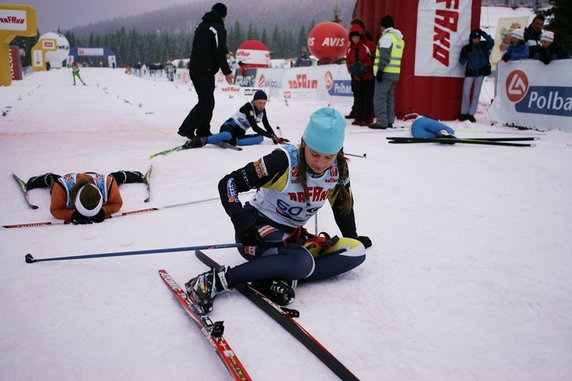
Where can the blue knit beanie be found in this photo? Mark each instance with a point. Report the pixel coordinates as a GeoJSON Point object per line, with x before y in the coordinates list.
{"type": "Point", "coordinates": [325, 132]}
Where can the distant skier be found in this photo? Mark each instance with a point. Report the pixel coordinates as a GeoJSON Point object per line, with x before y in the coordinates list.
{"type": "Point", "coordinates": [84, 198]}
{"type": "Point", "coordinates": [293, 183]}
{"type": "Point", "coordinates": [75, 73]}
{"type": "Point", "coordinates": [234, 129]}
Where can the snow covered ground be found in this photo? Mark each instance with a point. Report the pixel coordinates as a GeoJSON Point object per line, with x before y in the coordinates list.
{"type": "Point", "coordinates": [469, 277]}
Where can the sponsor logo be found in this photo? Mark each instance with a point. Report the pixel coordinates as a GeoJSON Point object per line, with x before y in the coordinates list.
{"type": "Point", "coordinates": [315, 194]}
{"type": "Point", "coordinates": [287, 94]}
{"type": "Point", "coordinates": [48, 44]}
{"type": "Point", "coordinates": [341, 88]}
{"type": "Point", "coordinates": [516, 85]}
{"type": "Point", "coordinates": [446, 22]}
{"type": "Point", "coordinates": [329, 41]}
{"type": "Point", "coordinates": [545, 100]}
{"type": "Point", "coordinates": [302, 82]}
{"type": "Point", "coordinates": [328, 80]}
{"type": "Point", "coordinates": [12, 20]}
{"type": "Point", "coordinates": [260, 168]}
{"type": "Point", "coordinates": [230, 89]}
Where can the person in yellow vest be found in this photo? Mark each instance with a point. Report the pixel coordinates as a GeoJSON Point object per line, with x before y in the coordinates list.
{"type": "Point", "coordinates": [387, 66]}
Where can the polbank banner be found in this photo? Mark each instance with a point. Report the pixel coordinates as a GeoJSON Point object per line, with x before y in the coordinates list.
{"type": "Point", "coordinates": [534, 95]}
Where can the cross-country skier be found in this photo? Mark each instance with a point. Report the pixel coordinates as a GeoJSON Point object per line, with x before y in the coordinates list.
{"type": "Point", "coordinates": [293, 183]}
{"type": "Point", "coordinates": [84, 198]}
{"type": "Point", "coordinates": [75, 73]}
{"type": "Point", "coordinates": [234, 129]}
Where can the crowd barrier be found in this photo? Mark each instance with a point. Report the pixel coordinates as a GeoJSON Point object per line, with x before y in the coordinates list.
{"type": "Point", "coordinates": [534, 95]}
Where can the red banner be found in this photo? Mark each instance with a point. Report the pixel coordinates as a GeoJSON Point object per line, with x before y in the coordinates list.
{"type": "Point", "coordinates": [15, 63]}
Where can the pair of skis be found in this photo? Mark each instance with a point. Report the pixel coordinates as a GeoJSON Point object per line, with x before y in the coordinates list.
{"type": "Point", "coordinates": [22, 185]}
{"type": "Point", "coordinates": [511, 142]}
{"type": "Point", "coordinates": [183, 146]}
{"type": "Point", "coordinates": [213, 332]}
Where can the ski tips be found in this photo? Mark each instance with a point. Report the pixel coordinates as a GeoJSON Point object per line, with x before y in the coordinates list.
{"type": "Point", "coordinates": [30, 258]}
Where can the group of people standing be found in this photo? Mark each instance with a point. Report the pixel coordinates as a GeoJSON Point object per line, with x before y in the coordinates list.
{"type": "Point", "coordinates": [374, 70]}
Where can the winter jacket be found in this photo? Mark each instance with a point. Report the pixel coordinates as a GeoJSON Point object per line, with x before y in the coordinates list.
{"type": "Point", "coordinates": [383, 53]}
{"type": "Point", "coordinates": [532, 38]}
{"type": "Point", "coordinates": [553, 52]}
{"type": "Point", "coordinates": [516, 52]}
{"type": "Point", "coordinates": [247, 117]}
{"type": "Point", "coordinates": [59, 202]}
{"type": "Point", "coordinates": [360, 57]}
{"type": "Point", "coordinates": [477, 57]}
{"type": "Point", "coordinates": [209, 46]}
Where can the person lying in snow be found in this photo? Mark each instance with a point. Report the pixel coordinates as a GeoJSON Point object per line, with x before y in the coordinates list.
{"type": "Point", "coordinates": [234, 129]}
{"type": "Point", "coordinates": [293, 183]}
{"type": "Point", "coordinates": [84, 198]}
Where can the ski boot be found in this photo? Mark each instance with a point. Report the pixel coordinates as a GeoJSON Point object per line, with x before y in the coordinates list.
{"type": "Point", "coordinates": [280, 292]}
{"type": "Point", "coordinates": [203, 288]}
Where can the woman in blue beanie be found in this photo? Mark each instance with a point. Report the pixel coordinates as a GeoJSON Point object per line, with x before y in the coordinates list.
{"type": "Point", "coordinates": [293, 183]}
{"type": "Point", "coordinates": [234, 129]}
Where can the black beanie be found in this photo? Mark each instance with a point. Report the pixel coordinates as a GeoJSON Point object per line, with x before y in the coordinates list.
{"type": "Point", "coordinates": [386, 21]}
{"type": "Point", "coordinates": [220, 8]}
{"type": "Point", "coordinates": [259, 94]}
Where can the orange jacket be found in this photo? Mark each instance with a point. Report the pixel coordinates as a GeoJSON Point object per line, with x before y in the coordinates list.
{"type": "Point", "coordinates": [60, 198]}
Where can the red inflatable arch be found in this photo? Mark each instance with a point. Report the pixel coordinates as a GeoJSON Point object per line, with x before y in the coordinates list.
{"type": "Point", "coordinates": [434, 31]}
{"type": "Point", "coordinates": [253, 53]}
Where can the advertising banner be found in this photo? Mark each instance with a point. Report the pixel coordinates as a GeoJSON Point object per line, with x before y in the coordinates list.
{"type": "Point", "coordinates": [443, 28]}
{"type": "Point", "coordinates": [15, 63]}
{"type": "Point", "coordinates": [534, 95]}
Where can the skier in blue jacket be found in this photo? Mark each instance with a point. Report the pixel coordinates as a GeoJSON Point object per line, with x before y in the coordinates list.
{"type": "Point", "coordinates": [476, 56]}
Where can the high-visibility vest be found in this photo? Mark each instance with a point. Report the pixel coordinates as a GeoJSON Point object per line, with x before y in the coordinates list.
{"type": "Point", "coordinates": [397, 47]}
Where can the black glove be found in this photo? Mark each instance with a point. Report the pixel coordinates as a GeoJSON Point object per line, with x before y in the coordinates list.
{"type": "Point", "coordinates": [366, 242]}
{"type": "Point", "coordinates": [378, 77]}
{"type": "Point", "coordinates": [79, 219]}
{"type": "Point", "coordinates": [278, 140]}
{"type": "Point", "coordinates": [506, 57]}
{"type": "Point", "coordinates": [250, 237]}
{"type": "Point", "coordinates": [480, 32]}
{"type": "Point", "coordinates": [246, 231]}
{"type": "Point", "coordinates": [99, 217]}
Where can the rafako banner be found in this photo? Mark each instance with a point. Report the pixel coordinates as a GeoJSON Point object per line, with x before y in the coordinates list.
{"type": "Point", "coordinates": [534, 95]}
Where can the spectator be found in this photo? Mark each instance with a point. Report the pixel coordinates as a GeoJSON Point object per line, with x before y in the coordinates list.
{"type": "Point", "coordinates": [207, 57]}
{"type": "Point", "coordinates": [476, 56]}
{"type": "Point", "coordinates": [359, 61]}
{"type": "Point", "coordinates": [550, 50]}
{"type": "Point", "coordinates": [532, 34]}
{"type": "Point", "coordinates": [518, 49]}
{"type": "Point", "coordinates": [371, 44]}
{"type": "Point", "coordinates": [303, 59]}
{"type": "Point", "coordinates": [387, 67]}
{"type": "Point", "coordinates": [84, 198]}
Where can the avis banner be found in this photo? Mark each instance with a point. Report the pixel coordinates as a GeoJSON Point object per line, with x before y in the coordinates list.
{"type": "Point", "coordinates": [534, 95]}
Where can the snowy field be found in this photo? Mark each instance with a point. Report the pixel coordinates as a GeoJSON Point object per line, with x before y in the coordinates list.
{"type": "Point", "coordinates": [469, 277]}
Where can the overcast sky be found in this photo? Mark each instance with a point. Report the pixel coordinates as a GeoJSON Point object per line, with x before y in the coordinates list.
{"type": "Point", "coordinates": [66, 14]}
